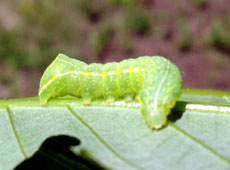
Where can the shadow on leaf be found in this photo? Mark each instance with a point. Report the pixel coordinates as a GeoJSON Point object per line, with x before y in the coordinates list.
{"type": "Point", "coordinates": [54, 153]}
{"type": "Point", "coordinates": [177, 111]}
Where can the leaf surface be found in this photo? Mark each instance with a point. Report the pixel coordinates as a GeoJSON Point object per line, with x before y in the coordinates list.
{"type": "Point", "coordinates": [115, 135]}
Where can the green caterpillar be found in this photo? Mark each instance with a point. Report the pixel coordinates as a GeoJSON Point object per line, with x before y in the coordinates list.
{"type": "Point", "coordinates": [155, 81]}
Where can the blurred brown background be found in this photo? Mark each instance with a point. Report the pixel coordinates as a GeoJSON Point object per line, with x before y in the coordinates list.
{"type": "Point", "coordinates": [194, 34]}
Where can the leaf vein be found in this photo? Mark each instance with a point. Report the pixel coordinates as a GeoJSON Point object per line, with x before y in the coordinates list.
{"type": "Point", "coordinates": [206, 147]}
{"type": "Point", "coordinates": [15, 131]}
{"type": "Point", "coordinates": [101, 139]}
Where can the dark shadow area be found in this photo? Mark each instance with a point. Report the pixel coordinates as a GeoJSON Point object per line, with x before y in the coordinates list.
{"type": "Point", "coordinates": [177, 111]}
{"type": "Point", "coordinates": [175, 115]}
{"type": "Point", "coordinates": [54, 154]}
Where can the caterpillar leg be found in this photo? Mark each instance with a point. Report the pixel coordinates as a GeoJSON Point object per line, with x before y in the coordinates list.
{"type": "Point", "coordinates": [110, 99]}
{"type": "Point", "coordinates": [87, 100]}
{"type": "Point", "coordinates": [44, 97]}
{"type": "Point", "coordinates": [44, 104]}
{"type": "Point", "coordinates": [137, 99]}
{"type": "Point", "coordinates": [128, 97]}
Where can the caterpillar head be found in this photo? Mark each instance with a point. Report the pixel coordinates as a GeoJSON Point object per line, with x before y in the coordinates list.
{"type": "Point", "coordinates": [156, 117]}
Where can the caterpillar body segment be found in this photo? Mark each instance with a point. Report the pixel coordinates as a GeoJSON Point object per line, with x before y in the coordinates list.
{"type": "Point", "coordinates": [155, 80]}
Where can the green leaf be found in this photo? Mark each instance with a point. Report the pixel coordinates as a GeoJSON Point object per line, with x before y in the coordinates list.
{"type": "Point", "coordinates": [115, 135]}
